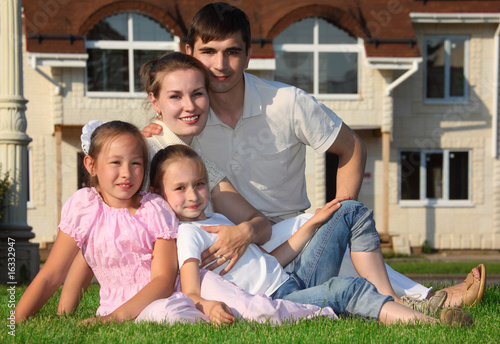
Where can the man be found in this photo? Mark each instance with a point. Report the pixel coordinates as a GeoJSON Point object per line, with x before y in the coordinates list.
{"type": "Point", "coordinates": [257, 133]}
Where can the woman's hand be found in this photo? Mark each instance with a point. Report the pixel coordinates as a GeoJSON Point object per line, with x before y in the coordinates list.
{"type": "Point", "coordinates": [231, 244]}
{"type": "Point", "coordinates": [152, 129]}
{"type": "Point", "coordinates": [232, 241]}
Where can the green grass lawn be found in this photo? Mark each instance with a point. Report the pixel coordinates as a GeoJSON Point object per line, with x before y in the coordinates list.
{"type": "Point", "coordinates": [46, 327]}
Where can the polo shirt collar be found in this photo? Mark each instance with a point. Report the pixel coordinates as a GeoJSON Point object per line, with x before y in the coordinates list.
{"type": "Point", "coordinates": [252, 105]}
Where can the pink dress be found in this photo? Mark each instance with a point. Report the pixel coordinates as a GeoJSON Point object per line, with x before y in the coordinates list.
{"type": "Point", "coordinates": [116, 245]}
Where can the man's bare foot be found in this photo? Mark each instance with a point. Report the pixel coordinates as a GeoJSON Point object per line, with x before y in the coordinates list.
{"type": "Point", "coordinates": [455, 292]}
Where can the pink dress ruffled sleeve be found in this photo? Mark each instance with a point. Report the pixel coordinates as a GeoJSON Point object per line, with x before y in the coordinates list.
{"type": "Point", "coordinates": [117, 245]}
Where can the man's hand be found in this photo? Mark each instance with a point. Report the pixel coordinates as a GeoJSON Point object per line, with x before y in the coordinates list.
{"type": "Point", "coordinates": [152, 129]}
{"type": "Point", "coordinates": [232, 242]}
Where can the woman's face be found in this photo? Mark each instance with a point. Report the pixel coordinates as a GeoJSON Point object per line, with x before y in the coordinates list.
{"type": "Point", "coordinates": [183, 103]}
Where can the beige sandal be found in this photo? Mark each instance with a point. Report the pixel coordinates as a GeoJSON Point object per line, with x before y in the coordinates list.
{"type": "Point", "coordinates": [474, 288]}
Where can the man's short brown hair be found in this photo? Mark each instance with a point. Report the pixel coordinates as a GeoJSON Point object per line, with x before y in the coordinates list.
{"type": "Point", "coordinates": [218, 21]}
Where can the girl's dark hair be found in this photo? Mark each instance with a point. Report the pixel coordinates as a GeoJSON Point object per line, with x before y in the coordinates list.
{"type": "Point", "coordinates": [108, 131]}
{"type": "Point", "coordinates": [153, 71]}
{"type": "Point", "coordinates": [217, 21]}
{"type": "Point", "coordinates": [165, 156]}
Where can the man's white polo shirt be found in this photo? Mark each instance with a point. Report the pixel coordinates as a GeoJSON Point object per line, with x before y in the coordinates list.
{"type": "Point", "coordinates": [264, 155]}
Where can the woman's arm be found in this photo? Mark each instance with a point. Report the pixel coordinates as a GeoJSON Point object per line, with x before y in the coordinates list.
{"type": "Point", "coordinates": [163, 275]}
{"type": "Point", "coordinates": [252, 227]}
{"type": "Point", "coordinates": [49, 278]}
{"type": "Point", "coordinates": [287, 251]}
{"type": "Point", "coordinates": [218, 312]}
{"type": "Point", "coordinates": [77, 281]}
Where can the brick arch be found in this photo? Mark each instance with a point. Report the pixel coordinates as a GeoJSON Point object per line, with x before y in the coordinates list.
{"type": "Point", "coordinates": [335, 16]}
{"type": "Point", "coordinates": [172, 22]}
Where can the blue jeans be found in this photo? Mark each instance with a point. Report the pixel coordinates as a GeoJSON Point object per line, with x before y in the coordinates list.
{"type": "Point", "coordinates": [314, 278]}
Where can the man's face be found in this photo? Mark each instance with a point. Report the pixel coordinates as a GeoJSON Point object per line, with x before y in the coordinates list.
{"type": "Point", "coordinates": [225, 61]}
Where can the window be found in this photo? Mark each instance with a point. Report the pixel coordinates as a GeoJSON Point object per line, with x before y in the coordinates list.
{"type": "Point", "coordinates": [435, 176]}
{"type": "Point", "coordinates": [446, 68]}
{"type": "Point", "coordinates": [117, 47]}
{"type": "Point", "coordinates": [319, 58]}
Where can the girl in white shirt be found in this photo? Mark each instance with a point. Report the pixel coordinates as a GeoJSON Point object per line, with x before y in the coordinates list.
{"type": "Point", "coordinates": [179, 175]}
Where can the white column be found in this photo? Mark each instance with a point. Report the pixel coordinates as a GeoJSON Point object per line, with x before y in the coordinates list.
{"type": "Point", "coordinates": [14, 230]}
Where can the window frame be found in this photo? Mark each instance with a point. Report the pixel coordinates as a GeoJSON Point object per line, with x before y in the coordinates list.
{"type": "Point", "coordinates": [316, 48]}
{"type": "Point", "coordinates": [449, 99]}
{"type": "Point", "coordinates": [435, 202]}
{"type": "Point", "coordinates": [130, 46]}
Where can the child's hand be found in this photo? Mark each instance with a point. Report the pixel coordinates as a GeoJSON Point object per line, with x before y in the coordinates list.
{"type": "Point", "coordinates": [323, 214]}
{"type": "Point", "coordinates": [91, 321]}
{"type": "Point", "coordinates": [220, 313]}
{"type": "Point", "coordinates": [100, 320]}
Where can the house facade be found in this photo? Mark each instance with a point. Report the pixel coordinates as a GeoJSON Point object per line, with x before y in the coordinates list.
{"type": "Point", "coordinates": [417, 80]}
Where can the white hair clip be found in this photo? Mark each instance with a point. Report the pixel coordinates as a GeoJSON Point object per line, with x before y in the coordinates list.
{"type": "Point", "coordinates": [87, 131]}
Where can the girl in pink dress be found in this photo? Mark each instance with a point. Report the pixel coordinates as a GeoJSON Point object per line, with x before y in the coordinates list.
{"type": "Point", "coordinates": [127, 237]}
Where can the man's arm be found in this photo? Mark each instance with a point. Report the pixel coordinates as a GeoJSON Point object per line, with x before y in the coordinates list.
{"type": "Point", "coordinates": [351, 151]}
